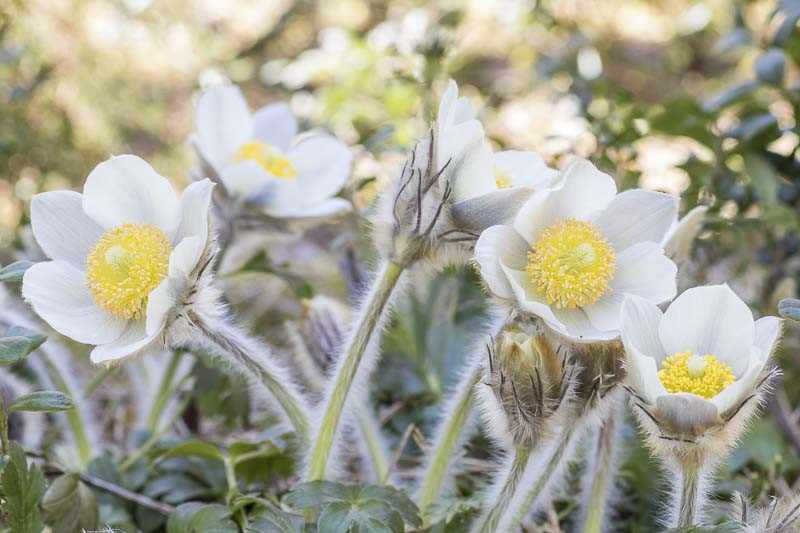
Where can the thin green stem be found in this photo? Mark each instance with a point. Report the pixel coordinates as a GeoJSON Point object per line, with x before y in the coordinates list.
{"type": "Point", "coordinates": [447, 440]}
{"type": "Point", "coordinates": [6, 447]}
{"type": "Point", "coordinates": [164, 391]}
{"type": "Point", "coordinates": [690, 497]}
{"type": "Point", "coordinates": [98, 379]}
{"type": "Point", "coordinates": [490, 519]}
{"type": "Point", "coordinates": [230, 478]}
{"type": "Point", "coordinates": [74, 416]}
{"type": "Point", "coordinates": [346, 373]}
{"type": "Point", "coordinates": [602, 473]}
{"type": "Point", "coordinates": [369, 432]}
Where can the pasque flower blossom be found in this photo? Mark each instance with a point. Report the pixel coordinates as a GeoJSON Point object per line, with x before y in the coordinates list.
{"type": "Point", "coordinates": [123, 253]}
{"type": "Point", "coordinates": [260, 159]}
{"type": "Point", "coordinates": [574, 250]}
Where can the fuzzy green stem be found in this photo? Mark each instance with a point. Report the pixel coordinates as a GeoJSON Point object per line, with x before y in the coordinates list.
{"type": "Point", "coordinates": [6, 447]}
{"type": "Point", "coordinates": [369, 432]}
{"type": "Point", "coordinates": [691, 497]}
{"type": "Point", "coordinates": [448, 438]}
{"type": "Point", "coordinates": [490, 519]}
{"type": "Point", "coordinates": [530, 496]}
{"type": "Point", "coordinates": [602, 473]}
{"type": "Point", "coordinates": [74, 416]}
{"type": "Point", "coordinates": [98, 379]}
{"type": "Point", "coordinates": [164, 392]}
{"type": "Point", "coordinates": [346, 372]}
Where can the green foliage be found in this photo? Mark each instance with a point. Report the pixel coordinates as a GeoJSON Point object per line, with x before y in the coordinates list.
{"type": "Point", "coordinates": [23, 487]}
{"type": "Point", "coordinates": [18, 343]}
{"type": "Point", "coordinates": [196, 517]}
{"type": "Point", "coordinates": [47, 401]}
{"type": "Point", "coordinates": [70, 505]}
{"type": "Point", "coordinates": [14, 271]}
{"type": "Point", "coordinates": [789, 308]}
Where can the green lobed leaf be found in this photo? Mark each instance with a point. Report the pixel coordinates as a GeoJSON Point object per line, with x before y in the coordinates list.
{"type": "Point", "coordinates": [18, 343]}
{"type": "Point", "coordinates": [14, 271]}
{"type": "Point", "coordinates": [267, 516]}
{"type": "Point", "coordinates": [46, 401]}
{"type": "Point", "coordinates": [195, 517]}
{"type": "Point", "coordinates": [770, 66]}
{"type": "Point", "coordinates": [23, 488]}
{"type": "Point", "coordinates": [373, 516]}
{"type": "Point", "coordinates": [70, 505]}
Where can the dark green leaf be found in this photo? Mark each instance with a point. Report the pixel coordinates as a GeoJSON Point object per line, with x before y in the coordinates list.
{"type": "Point", "coordinates": [18, 343]}
{"type": "Point", "coordinates": [763, 178]}
{"type": "Point", "coordinates": [23, 488]}
{"type": "Point", "coordinates": [269, 517]}
{"type": "Point", "coordinates": [195, 447]}
{"type": "Point", "coordinates": [770, 66]}
{"type": "Point", "coordinates": [789, 308]}
{"type": "Point", "coordinates": [70, 505]}
{"type": "Point", "coordinates": [46, 401]}
{"type": "Point", "coordinates": [14, 271]}
{"type": "Point", "coordinates": [194, 517]}
{"type": "Point", "coordinates": [372, 516]}
{"type": "Point", "coordinates": [750, 127]}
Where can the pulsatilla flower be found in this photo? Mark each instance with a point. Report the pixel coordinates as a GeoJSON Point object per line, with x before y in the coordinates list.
{"type": "Point", "coordinates": [697, 371]}
{"type": "Point", "coordinates": [573, 251]}
{"type": "Point", "coordinates": [259, 158]}
{"type": "Point", "coordinates": [124, 254]}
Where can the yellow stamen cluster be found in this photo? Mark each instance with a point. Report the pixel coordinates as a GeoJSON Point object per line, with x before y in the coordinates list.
{"type": "Point", "coordinates": [704, 376]}
{"type": "Point", "coordinates": [502, 179]}
{"type": "Point", "coordinates": [270, 158]}
{"type": "Point", "coordinates": [571, 264]}
{"type": "Point", "coordinates": [125, 265]}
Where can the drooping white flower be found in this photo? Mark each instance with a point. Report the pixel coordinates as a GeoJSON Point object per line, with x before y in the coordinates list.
{"type": "Point", "coordinates": [123, 254]}
{"type": "Point", "coordinates": [696, 364]}
{"type": "Point", "coordinates": [260, 158]}
{"type": "Point", "coordinates": [575, 250]}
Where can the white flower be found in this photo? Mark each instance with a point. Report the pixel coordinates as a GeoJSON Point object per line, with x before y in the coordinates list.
{"type": "Point", "coordinates": [701, 359]}
{"type": "Point", "coordinates": [678, 241]}
{"type": "Point", "coordinates": [123, 254]}
{"type": "Point", "coordinates": [486, 186]}
{"type": "Point", "coordinates": [575, 250]}
{"type": "Point", "coordinates": [260, 159]}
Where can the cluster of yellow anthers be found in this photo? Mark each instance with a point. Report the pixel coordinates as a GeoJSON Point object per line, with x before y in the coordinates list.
{"type": "Point", "coordinates": [571, 264]}
{"type": "Point", "coordinates": [270, 158]}
{"type": "Point", "coordinates": [125, 265]}
{"type": "Point", "coordinates": [704, 376]}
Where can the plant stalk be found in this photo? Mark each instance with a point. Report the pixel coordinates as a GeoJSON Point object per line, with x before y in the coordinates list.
{"type": "Point", "coordinates": [6, 446]}
{"type": "Point", "coordinates": [489, 521]}
{"type": "Point", "coordinates": [370, 433]}
{"type": "Point", "coordinates": [602, 473]}
{"type": "Point", "coordinates": [164, 391]}
{"type": "Point", "coordinates": [346, 372]}
{"type": "Point", "coordinates": [691, 497]}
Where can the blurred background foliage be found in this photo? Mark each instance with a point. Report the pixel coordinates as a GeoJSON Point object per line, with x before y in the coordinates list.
{"type": "Point", "coordinates": [695, 98]}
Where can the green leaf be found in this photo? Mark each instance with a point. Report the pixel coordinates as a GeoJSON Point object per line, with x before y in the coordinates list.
{"type": "Point", "coordinates": [770, 66]}
{"type": "Point", "coordinates": [46, 401]}
{"type": "Point", "coordinates": [789, 308]}
{"type": "Point", "coordinates": [728, 96]}
{"type": "Point", "coordinates": [372, 516]}
{"type": "Point", "coordinates": [18, 343]}
{"type": "Point", "coordinates": [194, 447]}
{"type": "Point", "coordinates": [70, 505]}
{"type": "Point", "coordinates": [23, 488]}
{"type": "Point", "coordinates": [14, 271]}
{"type": "Point", "coordinates": [750, 127]}
{"type": "Point", "coordinates": [763, 178]}
{"type": "Point", "coordinates": [194, 517]}
{"type": "Point", "coordinates": [269, 517]}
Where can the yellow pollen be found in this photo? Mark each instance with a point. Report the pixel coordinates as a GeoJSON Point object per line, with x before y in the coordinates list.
{"type": "Point", "coordinates": [571, 264]}
{"type": "Point", "coordinates": [125, 265]}
{"type": "Point", "coordinates": [704, 376]}
{"type": "Point", "coordinates": [502, 179]}
{"type": "Point", "coordinates": [269, 157]}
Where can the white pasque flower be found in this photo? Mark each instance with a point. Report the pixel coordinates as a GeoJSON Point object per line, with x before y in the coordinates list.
{"type": "Point", "coordinates": [701, 359]}
{"type": "Point", "coordinates": [485, 183]}
{"type": "Point", "coordinates": [260, 159]}
{"type": "Point", "coordinates": [680, 237]}
{"type": "Point", "coordinates": [123, 254]}
{"type": "Point", "coordinates": [575, 250]}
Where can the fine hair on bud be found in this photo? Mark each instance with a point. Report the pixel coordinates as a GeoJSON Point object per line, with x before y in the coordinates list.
{"type": "Point", "coordinates": [781, 515]}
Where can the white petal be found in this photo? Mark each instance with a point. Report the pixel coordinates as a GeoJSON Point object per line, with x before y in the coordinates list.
{"type": "Point", "coordinates": [462, 111]}
{"type": "Point", "coordinates": [447, 106]}
{"type": "Point", "coordinates": [529, 300]}
{"type": "Point", "coordinates": [679, 239]}
{"type": "Point", "coordinates": [643, 374]}
{"type": "Point", "coordinates": [61, 227]}
{"type": "Point", "coordinates": [275, 124]}
{"type": "Point", "coordinates": [324, 209]}
{"type": "Point", "coordinates": [57, 291]}
{"type": "Point", "coordinates": [637, 216]}
{"type": "Point", "coordinates": [132, 341]}
{"type": "Point", "coordinates": [456, 142]}
{"type": "Point", "coordinates": [639, 320]}
{"type": "Point", "coordinates": [472, 175]}
{"type": "Point", "coordinates": [710, 320]}
{"type": "Point", "coordinates": [579, 193]}
{"type": "Point", "coordinates": [125, 189]}
{"type": "Point", "coordinates": [496, 245]}
{"type": "Point", "coordinates": [486, 210]}
{"type": "Point", "coordinates": [224, 123]}
{"type": "Point", "coordinates": [248, 181]}
{"type": "Point", "coordinates": [195, 211]}
{"type": "Point", "coordinates": [645, 271]}
{"type": "Point", "coordinates": [740, 389]}
{"type": "Point", "coordinates": [182, 261]}
{"type": "Point", "coordinates": [580, 328]}
{"type": "Point", "coordinates": [525, 169]}
{"type": "Point", "coordinates": [768, 331]}
{"type": "Point", "coordinates": [323, 167]}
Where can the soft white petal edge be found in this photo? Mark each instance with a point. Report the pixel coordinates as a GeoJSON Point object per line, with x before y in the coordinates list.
{"type": "Point", "coordinates": [61, 227]}
{"type": "Point", "coordinates": [182, 261]}
{"type": "Point", "coordinates": [635, 216]}
{"type": "Point", "coordinates": [224, 123]}
{"type": "Point", "coordinates": [275, 124]}
{"type": "Point", "coordinates": [132, 341]}
{"type": "Point", "coordinates": [496, 246]}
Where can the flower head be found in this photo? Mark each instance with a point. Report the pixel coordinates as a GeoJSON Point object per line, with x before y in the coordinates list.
{"type": "Point", "coordinates": [123, 254]}
{"type": "Point", "coordinates": [574, 251]}
{"type": "Point", "coordinates": [260, 159]}
{"type": "Point", "coordinates": [697, 370]}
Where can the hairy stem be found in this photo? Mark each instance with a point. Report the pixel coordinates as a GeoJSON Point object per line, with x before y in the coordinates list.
{"type": "Point", "coordinates": [601, 472]}
{"type": "Point", "coordinates": [362, 335]}
{"type": "Point", "coordinates": [454, 421]}
{"type": "Point", "coordinates": [370, 432]}
{"type": "Point", "coordinates": [491, 517]}
{"type": "Point", "coordinates": [74, 416]}
{"type": "Point", "coordinates": [164, 392]}
{"type": "Point", "coordinates": [691, 497]}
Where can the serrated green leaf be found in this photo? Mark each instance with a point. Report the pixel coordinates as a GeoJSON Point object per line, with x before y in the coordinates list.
{"type": "Point", "coordinates": [770, 66]}
{"type": "Point", "coordinates": [194, 517]}
{"type": "Point", "coordinates": [23, 488]}
{"type": "Point", "coordinates": [46, 401]}
{"type": "Point", "coordinates": [70, 505]}
{"type": "Point", "coordinates": [373, 516]}
{"type": "Point", "coordinates": [14, 271]}
{"type": "Point", "coordinates": [18, 343]}
{"type": "Point", "coordinates": [196, 448]}
{"type": "Point", "coordinates": [789, 308]}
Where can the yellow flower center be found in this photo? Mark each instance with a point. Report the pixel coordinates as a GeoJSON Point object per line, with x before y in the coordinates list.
{"type": "Point", "coordinates": [703, 375]}
{"type": "Point", "coordinates": [125, 265]}
{"type": "Point", "coordinates": [502, 179]}
{"type": "Point", "coordinates": [571, 264]}
{"type": "Point", "coordinates": [269, 157]}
